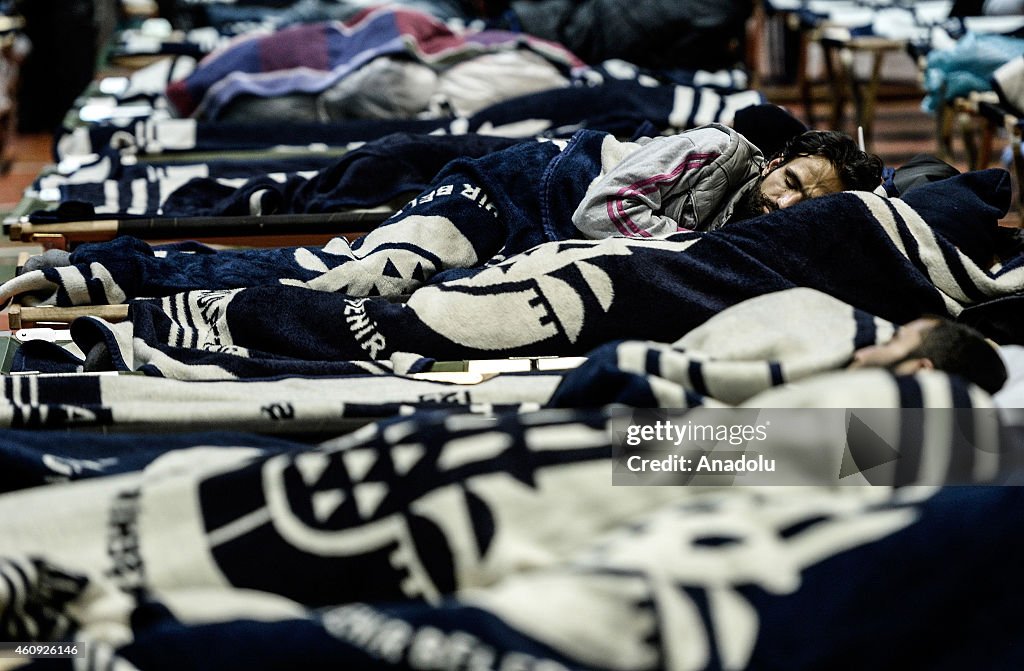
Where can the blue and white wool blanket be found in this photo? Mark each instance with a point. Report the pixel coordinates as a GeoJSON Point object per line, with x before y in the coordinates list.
{"type": "Point", "coordinates": [486, 248]}
{"type": "Point", "coordinates": [621, 107]}
{"type": "Point", "coordinates": [746, 356]}
{"type": "Point", "coordinates": [440, 541]}
{"type": "Point", "coordinates": [365, 175]}
{"type": "Point", "coordinates": [749, 348]}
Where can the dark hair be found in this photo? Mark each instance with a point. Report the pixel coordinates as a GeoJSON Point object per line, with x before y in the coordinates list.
{"type": "Point", "coordinates": [857, 170]}
{"type": "Point", "coordinates": [962, 350]}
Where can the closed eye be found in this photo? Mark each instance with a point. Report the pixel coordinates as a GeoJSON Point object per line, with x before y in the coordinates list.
{"type": "Point", "coordinates": [793, 182]}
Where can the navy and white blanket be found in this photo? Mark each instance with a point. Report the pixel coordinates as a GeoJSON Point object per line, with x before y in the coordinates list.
{"type": "Point", "coordinates": [763, 342]}
{"type": "Point", "coordinates": [366, 175]}
{"type": "Point", "coordinates": [360, 393]}
{"type": "Point", "coordinates": [447, 541]}
{"type": "Point", "coordinates": [126, 188]}
{"type": "Point", "coordinates": [619, 107]}
{"type": "Point", "coordinates": [227, 310]}
{"type": "Point", "coordinates": [739, 357]}
{"type": "Point", "coordinates": [117, 182]}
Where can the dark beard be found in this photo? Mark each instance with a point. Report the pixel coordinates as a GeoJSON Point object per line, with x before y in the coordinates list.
{"type": "Point", "coordinates": [751, 204]}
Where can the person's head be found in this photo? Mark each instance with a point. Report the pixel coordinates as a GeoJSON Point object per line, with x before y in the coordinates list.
{"type": "Point", "coordinates": [934, 342]}
{"type": "Point", "coordinates": [812, 164]}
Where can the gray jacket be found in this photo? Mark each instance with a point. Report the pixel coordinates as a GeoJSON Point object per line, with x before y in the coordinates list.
{"type": "Point", "coordinates": [656, 187]}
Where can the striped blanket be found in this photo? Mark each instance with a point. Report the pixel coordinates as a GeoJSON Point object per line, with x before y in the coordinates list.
{"type": "Point", "coordinates": [113, 184]}
{"type": "Point", "coordinates": [365, 175]}
{"type": "Point", "coordinates": [246, 312]}
{"type": "Point", "coordinates": [799, 333]}
{"type": "Point", "coordinates": [449, 541]}
{"type": "Point", "coordinates": [738, 357]}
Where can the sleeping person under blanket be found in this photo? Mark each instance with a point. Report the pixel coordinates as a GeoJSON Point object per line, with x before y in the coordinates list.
{"type": "Point", "coordinates": [480, 211]}
{"type": "Point", "coordinates": [772, 340]}
{"type": "Point", "coordinates": [894, 258]}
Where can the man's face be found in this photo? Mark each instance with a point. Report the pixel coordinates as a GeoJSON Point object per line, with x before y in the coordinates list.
{"type": "Point", "coordinates": [783, 185]}
{"type": "Point", "coordinates": [802, 178]}
{"type": "Point", "coordinates": [895, 353]}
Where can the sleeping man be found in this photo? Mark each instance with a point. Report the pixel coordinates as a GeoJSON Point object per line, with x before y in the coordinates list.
{"type": "Point", "coordinates": [480, 211]}
{"type": "Point", "coordinates": [771, 340]}
{"type": "Point", "coordinates": [884, 256]}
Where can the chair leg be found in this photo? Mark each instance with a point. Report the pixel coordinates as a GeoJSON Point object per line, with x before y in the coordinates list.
{"type": "Point", "coordinates": [944, 117]}
{"type": "Point", "coordinates": [838, 68]}
{"type": "Point", "coordinates": [804, 80]}
{"type": "Point", "coordinates": [965, 125]}
{"type": "Point", "coordinates": [867, 94]}
{"type": "Point", "coordinates": [987, 140]}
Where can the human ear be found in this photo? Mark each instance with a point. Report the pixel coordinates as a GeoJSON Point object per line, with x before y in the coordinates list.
{"type": "Point", "coordinates": [911, 366]}
{"type": "Point", "coordinates": [771, 165]}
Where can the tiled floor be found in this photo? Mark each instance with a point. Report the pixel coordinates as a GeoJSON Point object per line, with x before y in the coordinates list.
{"type": "Point", "coordinates": [902, 130]}
{"type": "Point", "coordinates": [29, 154]}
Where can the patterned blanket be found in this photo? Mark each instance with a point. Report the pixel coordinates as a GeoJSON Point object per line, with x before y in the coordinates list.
{"type": "Point", "coordinates": [316, 406]}
{"type": "Point", "coordinates": [763, 342]}
{"type": "Point", "coordinates": [231, 312]}
{"type": "Point", "coordinates": [443, 541]}
{"type": "Point", "coordinates": [622, 108]}
{"type": "Point", "coordinates": [740, 356]}
{"type": "Point", "coordinates": [366, 175]}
